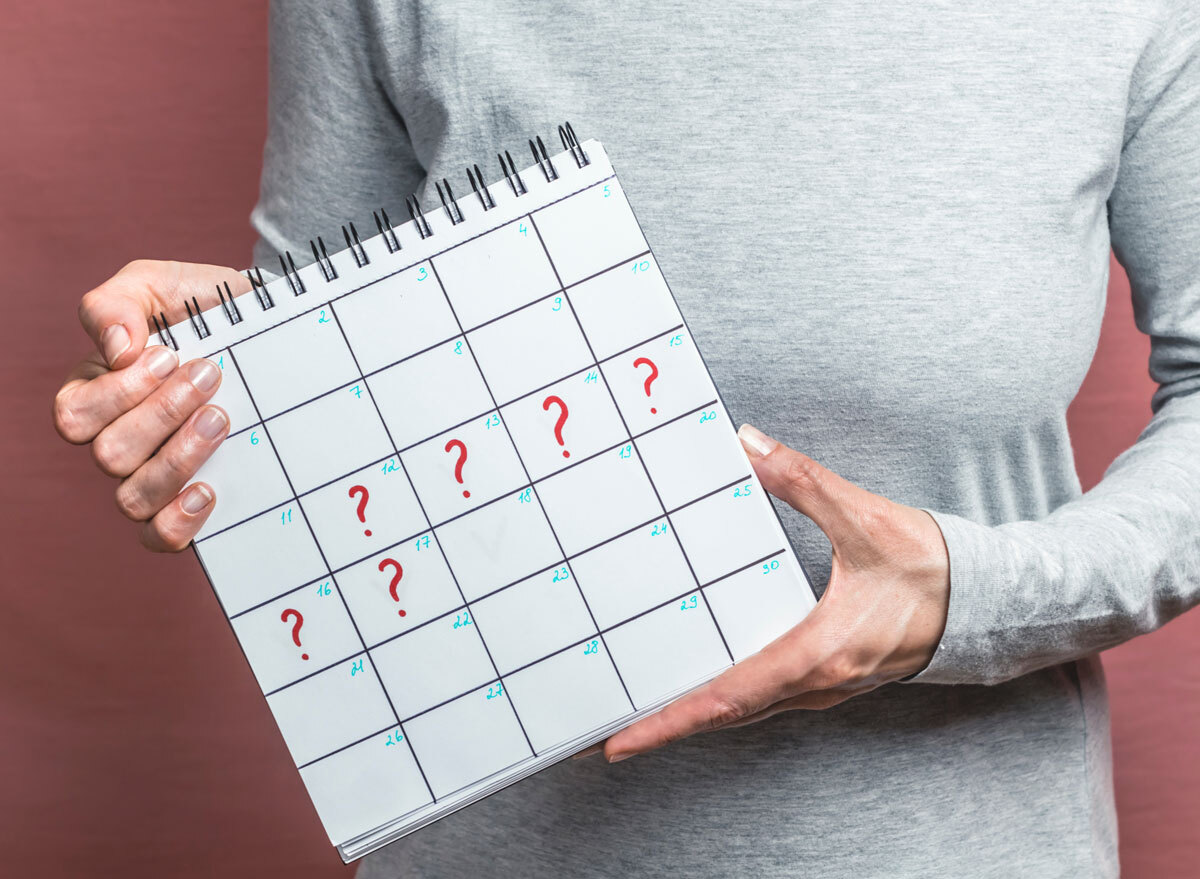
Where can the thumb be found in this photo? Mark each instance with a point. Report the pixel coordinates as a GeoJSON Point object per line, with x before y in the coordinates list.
{"type": "Point", "coordinates": [822, 495]}
{"type": "Point", "coordinates": [117, 313]}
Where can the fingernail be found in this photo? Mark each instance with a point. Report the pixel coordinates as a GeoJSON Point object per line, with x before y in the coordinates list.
{"type": "Point", "coordinates": [755, 440]}
{"type": "Point", "coordinates": [162, 362]}
{"type": "Point", "coordinates": [204, 374]}
{"type": "Point", "coordinates": [196, 499]}
{"type": "Point", "coordinates": [114, 341]}
{"type": "Point", "coordinates": [617, 758]}
{"type": "Point", "coordinates": [211, 422]}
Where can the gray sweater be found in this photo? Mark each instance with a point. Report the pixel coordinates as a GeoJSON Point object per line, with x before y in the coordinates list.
{"type": "Point", "coordinates": [888, 225]}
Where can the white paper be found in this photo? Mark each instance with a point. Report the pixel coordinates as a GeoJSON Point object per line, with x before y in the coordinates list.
{"type": "Point", "coordinates": [440, 583]}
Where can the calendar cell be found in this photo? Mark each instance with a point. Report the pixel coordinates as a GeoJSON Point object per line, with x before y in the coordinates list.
{"type": "Point", "coordinates": [728, 530]}
{"type": "Point", "coordinates": [532, 619]}
{"type": "Point", "coordinates": [330, 710]}
{"type": "Point", "coordinates": [613, 235]}
{"type": "Point", "coordinates": [430, 393]}
{"type": "Point", "coordinates": [568, 695]}
{"type": "Point", "coordinates": [231, 394]}
{"type": "Point", "coordinates": [363, 512]}
{"type": "Point", "coordinates": [496, 273]}
{"type": "Point", "coordinates": [261, 558]}
{"type": "Point", "coordinates": [499, 544]}
{"type": "Point", "coordinates": [395, 318]}
{"type": "Point", "coordinates": [468, 466]}
{"type": "Point", "coordinates": [624, 306]}
{"type": "Point", "coordinates": [668, 649]}
{"type": "Point", "coordinates": [660, 380]}
{"type": "Point", "coordinates": [436, 662]}
{"type": "Point", "coordinates": [578, 411]}
{"type": "Point", "coordinates": [468, 739]}
{"type": "Point", "coordinates": [670, 453]}
{"type": "Point", "coordinates": [598, 499]}
{"type": "Point", "coordinates": [246, 477]}
{"type": "Point", "coordinates": [755, 606]}
{"type": "Point", "coordinates": [344, 420]}
{"type": "Point", "coordinates": [529, 349]}
{"type": "Point", "coordinates": [296, 361]}
{"type": "Point", "coordinates": [629, 575]}
{"type": "Point", "coordinates": [423, 589]}
{"type": "Point", "coordinates": [313, 617]}
{"type": "Point", "coordinates": [366, 785]}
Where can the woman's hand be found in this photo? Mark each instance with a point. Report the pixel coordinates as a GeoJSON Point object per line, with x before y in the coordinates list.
{"type": "Point", "coordinates": [143, 415]}
{"type": "Point", "coordinates": [880, 619]}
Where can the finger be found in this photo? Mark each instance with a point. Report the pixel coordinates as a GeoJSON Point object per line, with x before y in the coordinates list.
{"type": "Point", "coordinates": [128, 442]}
{"type": "Point", "coordinates": [94, 396]}
{"type": "Point", "coordinates": [749, 687]}
{"type": "Point", "coordinates": [117, 313]}
{"type": "Point", "coordinates": [817, 700]}
{"type": "Point", "coordinates": [156, 483]}
{"type": "Point", "coordinates": [822, 495]}
{"type": "Point", "coordinates": [173, 528]}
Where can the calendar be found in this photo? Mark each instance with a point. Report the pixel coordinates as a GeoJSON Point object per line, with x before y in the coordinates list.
{"type": "Point", "coordinates": [480, 505]}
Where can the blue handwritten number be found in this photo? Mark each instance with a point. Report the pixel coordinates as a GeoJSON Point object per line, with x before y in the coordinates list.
{"type": "Point", "coordinates": [591, 377]}
{"type": "Point", "coordinates": [356, 667]}
{"type": "Point", "coordinates": [422, 542]}
{"type": "Point", "coordinates": [322, 319]}
{"type": "Point", "coordinates": [526, 496]}
{"type": "Point", "coordinates": [389, 466]}
{"type": "Point", "coordinates": [357, 391]}
{"type": "Point", "coordinates": [462, 619]}
{"type": "Point", "coordinates": [221, 361]}
{"type": "Point", "coordinates": [591, 647]}
{"type": "Point", "coordinates": [495, 691]}
{"type": "Point", "coordinates": [394, 738]}
{"type": "Point", "coordinates": [458, 347]}
{"type": "Point", "coordinates": [523, 230]}
{"type": "Point", "coordinates": [557, 304]}
{"type": "Point", "coordinates": [675, 341]}
{"type": "Point", "coordinates": [743, 490]}
{"type": "Point", "coordinates": [562, 573]}
{"type": "Point", "coordinates": [770, 566]}
{"type": "Point", "coordinates": [690, 603]}
{"type": "Point", "coordinates": [626, 451]}
{"type": "Point", "coordinates": [422, 274]}
{"type": "Point", "coordinates": [660, 528]}
{"type": "Point", "coordinates": [254, 437]}
{"type": "Point", "coordinates": [710, 415]}
{"type": "Point", "coordinates": [285, 516]}
{"type": "Point", "coordinates": [643, 266]}
{"type": "Point", "coordinates": [493, 420]}
{"type": "Point", "coordinates": [607, 191]}
{"type": "Point", "coordinates": [324, 588]}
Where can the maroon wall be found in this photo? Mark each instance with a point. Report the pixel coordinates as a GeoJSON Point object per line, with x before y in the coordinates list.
{"type": "Point", "coordinates": [133, 741]}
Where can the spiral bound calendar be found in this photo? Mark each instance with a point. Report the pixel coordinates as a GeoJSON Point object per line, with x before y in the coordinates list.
{"type": "Point", "coordinates": [480, 505]}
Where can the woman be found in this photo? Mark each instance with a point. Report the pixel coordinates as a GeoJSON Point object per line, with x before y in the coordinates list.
{"type": "Point", "coordinates": [889, 227]}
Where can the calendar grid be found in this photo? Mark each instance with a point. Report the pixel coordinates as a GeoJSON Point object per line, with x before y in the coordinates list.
{"type": "Point", "coordinates": [495, 300]}
{"type": "Point", "coordinates": [532, 487]}
{"type": "Point", "coordinates": [540, 659]}
{"type": "Point", "coordinates": [628, 432]}
{"type": "Point", "coordinates": [325, 562]}
{"type": "Point", "coordinates": [425, 515]}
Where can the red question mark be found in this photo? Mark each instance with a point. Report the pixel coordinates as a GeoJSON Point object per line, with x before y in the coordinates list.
{"type": "Point", "coordinates": [653, 376]}
{"type": "Point", "coordinates": [462, 459]}
{"type": "Point", "coordinates": [562, 419]}
{"type": "Point", "coordinates": [283, 618]}
{"type": "Point", "coordinates": [392, 563]}
{"type": "Point", "coordinates": [362, 505]}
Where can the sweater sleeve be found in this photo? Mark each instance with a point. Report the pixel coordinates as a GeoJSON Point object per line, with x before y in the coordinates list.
{"type": "Point", "coordinates": [337, 147]}
{"type": "Point", "coordinates": [1124, 558]}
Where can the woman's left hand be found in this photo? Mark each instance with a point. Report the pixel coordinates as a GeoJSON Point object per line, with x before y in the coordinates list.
{"type": "Point", "coordinates": [880, 619]}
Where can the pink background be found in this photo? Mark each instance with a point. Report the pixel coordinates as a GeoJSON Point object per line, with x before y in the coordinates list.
{"type": "Point", "coordinates": [133, 741]}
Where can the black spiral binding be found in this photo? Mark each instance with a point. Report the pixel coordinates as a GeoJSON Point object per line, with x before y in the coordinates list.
{"type": "Point", "coordinates": [387, 232]}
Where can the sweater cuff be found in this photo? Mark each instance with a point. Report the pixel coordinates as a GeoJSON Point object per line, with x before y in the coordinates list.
{"type": "Point", "coordinates": [967, 651]}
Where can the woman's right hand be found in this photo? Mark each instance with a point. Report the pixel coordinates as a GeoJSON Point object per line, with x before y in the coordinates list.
{"type": "Point", "coordinates": [142, 412]}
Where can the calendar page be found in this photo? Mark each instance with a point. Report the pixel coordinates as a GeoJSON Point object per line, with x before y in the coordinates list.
{"type": "Point", "coordinates": [480, 505]}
